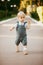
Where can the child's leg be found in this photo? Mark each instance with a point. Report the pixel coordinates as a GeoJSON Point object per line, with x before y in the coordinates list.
{"type": "Point", "coordinates": [24, 41]}
{"type": "Point", "coordinates": [17, 44]}
{"type": "Point", "coordinates": [25, 50]}
{"type": "Point", "coordinates": [17, 48]}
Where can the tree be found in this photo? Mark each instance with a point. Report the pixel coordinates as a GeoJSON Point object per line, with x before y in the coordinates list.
{"type": "Point", "coordinates": [12, 2]}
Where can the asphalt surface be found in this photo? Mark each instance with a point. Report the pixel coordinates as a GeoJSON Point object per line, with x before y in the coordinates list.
{"type": "Point", "coordinates": [8, 55]}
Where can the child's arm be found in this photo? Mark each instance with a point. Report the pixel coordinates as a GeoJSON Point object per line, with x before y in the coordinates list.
{"type": "Point", "coordinates": [28, 24]}
{"type": "Point", "coordinates": [13, 26]}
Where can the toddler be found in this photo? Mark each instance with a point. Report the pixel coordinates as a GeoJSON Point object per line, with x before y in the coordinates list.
{"type": "Point", "coordinates": [21, 27]}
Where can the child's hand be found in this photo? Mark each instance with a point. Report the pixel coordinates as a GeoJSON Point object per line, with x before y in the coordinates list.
{"type": "Point", "coordinates": [29, 21]}
{"type": "Point", "coordinates": [11, 28]}
{"type": "Point", "coordinates": [28, 24]}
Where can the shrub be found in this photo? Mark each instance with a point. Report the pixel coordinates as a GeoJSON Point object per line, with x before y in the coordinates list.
{"type": "Point", "coordinates": [2, 14]}
{"type": "Point", "coordinates": [35, 15]}
{"type": "Point", "coordinates": [9, 13]}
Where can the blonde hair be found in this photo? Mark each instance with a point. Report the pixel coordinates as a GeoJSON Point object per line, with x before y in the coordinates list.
{"type": "Point", "coordinates": [21, 13]}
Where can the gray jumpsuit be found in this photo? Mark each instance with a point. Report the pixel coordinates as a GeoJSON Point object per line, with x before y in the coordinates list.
{"type": "Point", "coordinates": [21, 34]}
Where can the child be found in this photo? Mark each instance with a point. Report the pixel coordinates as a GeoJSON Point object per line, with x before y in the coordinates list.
{"type": "Point", "coordinates": [21, 26]}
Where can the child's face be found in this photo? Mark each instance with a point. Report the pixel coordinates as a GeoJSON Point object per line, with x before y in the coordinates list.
{"type": "Point", "coordinates": [21, 18]}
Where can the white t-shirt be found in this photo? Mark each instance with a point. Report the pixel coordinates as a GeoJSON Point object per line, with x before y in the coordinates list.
{"type": "Point", "coordinates": [20, 23]}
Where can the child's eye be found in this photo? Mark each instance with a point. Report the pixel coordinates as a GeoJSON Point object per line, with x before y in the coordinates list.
{"type": "Point", "coordinates": [22, 17]}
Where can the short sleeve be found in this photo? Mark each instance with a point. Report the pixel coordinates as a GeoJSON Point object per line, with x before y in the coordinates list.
{"type": "Point", "coordinates": [15, 25]}
{"type": "Point", "coordinates": [26, 24]}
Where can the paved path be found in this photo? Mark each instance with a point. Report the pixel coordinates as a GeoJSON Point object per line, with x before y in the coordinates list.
{"type": "Point", "coordinates": [8, 56]}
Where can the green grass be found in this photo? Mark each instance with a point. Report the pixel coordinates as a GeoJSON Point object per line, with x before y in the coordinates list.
{"type": "Point", "coordinates": [5, 18]}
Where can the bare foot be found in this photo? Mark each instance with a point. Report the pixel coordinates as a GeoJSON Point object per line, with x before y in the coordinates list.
{"type": "Point", "coordinates": [17, 50]}
{"type": "Point", "coordinates": [25, 52]}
